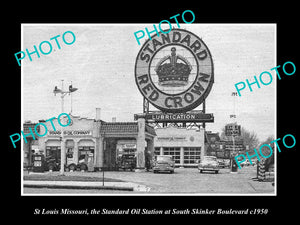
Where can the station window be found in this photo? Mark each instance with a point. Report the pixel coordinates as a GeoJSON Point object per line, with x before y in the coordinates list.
{"type": "Point", "coordinates": [191, 155]}
{"type": "Point", "coordinates": [157, 151]}
{"type": "Point", "coordinates": [174, 151]}
{"type": "Point", "coordinates": [129, 151]}
{"type": "Point", "coordinates": [53, 152]}
{"type": "Point", "coordinates": [70, 152]}
{"type": "Point", "coordinates": [84, 151]}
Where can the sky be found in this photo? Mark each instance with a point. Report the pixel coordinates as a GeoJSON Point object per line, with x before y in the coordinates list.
{"type": "Point", "coordinates": [100, 63]}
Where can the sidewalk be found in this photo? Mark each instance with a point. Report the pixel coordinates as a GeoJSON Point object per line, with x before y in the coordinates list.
{"type": "Point", "coordinates": [124, 186]}
{"type": "Point", "coordinates": [79, 181]}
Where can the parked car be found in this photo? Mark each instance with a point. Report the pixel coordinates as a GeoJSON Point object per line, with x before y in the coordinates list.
{"type": "Point", "coordinates": [209, 163]}
{"type": "Point", "coordinates": [163, 163]}
{"type": "Point", "coordinates": [221, 163]}
{"type": "Point", "coordinates": [227, 163]}
{"type": "Point", "coordinates": [245, 163]}
{"type": "Point", "coordinates": [52, 164]}
{"type": "Point", "coordinates": [128, 161]}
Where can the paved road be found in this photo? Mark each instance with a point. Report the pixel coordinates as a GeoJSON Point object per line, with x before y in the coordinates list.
{"type": "Point", "coordinates": [189, 180]}
{"type": "Point", "coordinates": [186, 180]}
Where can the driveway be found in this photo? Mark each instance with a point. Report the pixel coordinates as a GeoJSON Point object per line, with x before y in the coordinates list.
{"type": "Point", "coordinates": [190, 181]}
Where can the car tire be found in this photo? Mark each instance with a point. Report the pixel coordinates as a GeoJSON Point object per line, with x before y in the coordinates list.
{"type": "Point", "coordinates": [200, 171]}
{"type": "Point", "coordinates": [51, 167]}
{"type": "Point", "coordinates": [216, 171]}
{"type": "Point", "coordinates": [72, 167]}
{"type": "Point", "coordinates": [83, 167]}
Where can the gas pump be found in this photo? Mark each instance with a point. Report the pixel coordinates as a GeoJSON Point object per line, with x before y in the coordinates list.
{"type": "Point", "coordinates": [38, 163]}
{"type": "Point", "coordinates": [234, 166]}
{"type": "Point", "coordinates": [71, 165]}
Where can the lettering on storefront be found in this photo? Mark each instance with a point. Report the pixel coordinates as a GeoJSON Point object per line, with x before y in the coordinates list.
{"type": "Point", "coordinates": [188, 117]}
{"type": "Point", "coordinates": [173, 117]}
{"type": "Point", "coordinates": [171, 138]}
{"type": "Point", "coordinates": [129, 146]}
{"type": "Point", "coordinates": [72, 132]}
{"type": "Point", "coordinates": [181, 117]}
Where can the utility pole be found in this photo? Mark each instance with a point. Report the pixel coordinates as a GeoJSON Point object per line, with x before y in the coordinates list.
{"type": "Point", "coordinates": [234, 94]}
{"type": "Point", "coordinates": [236, 132]}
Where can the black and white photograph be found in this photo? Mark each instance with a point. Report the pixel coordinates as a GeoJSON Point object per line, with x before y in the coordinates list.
{"type": "Point", "coordinates": [103, 114]}
{"type": "Point", "coordinates": [140, 111]}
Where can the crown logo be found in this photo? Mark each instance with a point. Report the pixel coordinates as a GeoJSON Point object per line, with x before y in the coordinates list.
{"type": "Point", "coordinates": [173, 74]}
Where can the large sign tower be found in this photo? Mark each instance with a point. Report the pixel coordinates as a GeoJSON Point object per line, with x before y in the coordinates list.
{"type": "Point", "coordinates": [174, 72]}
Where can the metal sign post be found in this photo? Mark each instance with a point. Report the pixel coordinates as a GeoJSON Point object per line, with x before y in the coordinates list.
{"type": "Point", "coordinates": [233, 130]}
{"type": "Point", "coordinates": [62, 149]}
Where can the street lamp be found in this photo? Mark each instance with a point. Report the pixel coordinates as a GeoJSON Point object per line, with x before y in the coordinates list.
{"type": "Point", "coordinates": [62, 148]}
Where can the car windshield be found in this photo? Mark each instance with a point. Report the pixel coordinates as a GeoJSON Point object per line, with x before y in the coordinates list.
{"type": "Point", "coordinates": [209, 158]}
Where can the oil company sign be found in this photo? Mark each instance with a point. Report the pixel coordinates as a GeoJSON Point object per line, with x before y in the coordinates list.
{"type": "Point", "coordinates": [174, 71]}
{"type": "Point", "coordinates": [72, 132]}
{"type": "Point", "coordinates": [176, 117]}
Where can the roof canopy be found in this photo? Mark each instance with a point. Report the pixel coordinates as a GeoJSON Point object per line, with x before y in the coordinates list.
{"type": "Point", "coordinates": [121, 128]}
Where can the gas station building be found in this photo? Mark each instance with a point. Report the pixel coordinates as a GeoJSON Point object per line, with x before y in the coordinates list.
{"type": "Point", "coordinates": [186, 145]}
{"type": "Point", "coordinates": [100, 140]}
{"type": "Point", "coordinates": [104, 142]}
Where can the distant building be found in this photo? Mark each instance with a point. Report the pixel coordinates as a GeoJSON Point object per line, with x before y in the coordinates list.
{"type": "Point", "coordinates": [213, 147]}
{"type": "Point", "coordinates": [185, 145]}
{"type": "Point", "coordinates": [224, 149]}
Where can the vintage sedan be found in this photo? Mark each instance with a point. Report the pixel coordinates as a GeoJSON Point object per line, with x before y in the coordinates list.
{"type": "Point", "coordinates": [209, 163]}
{"type": "Point", "coordinates": [163, 163]}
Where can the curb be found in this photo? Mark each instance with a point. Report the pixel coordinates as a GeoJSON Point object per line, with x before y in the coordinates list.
{"type": "Point", "coordinates": [55, 186]}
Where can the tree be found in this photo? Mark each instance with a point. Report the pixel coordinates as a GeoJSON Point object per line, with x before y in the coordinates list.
{"type": "Point", "coordinates": [267, 152]}
{"type": "Point", "coordinates": [265, 149]}
{"type": "Point", "coordinates": [250, 139]}
{"type": "Point", "coordinates": [268, 141]}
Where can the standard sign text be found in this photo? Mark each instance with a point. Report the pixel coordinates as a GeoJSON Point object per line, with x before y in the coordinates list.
{"type": "Point", "coordinates": [197, 87]}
